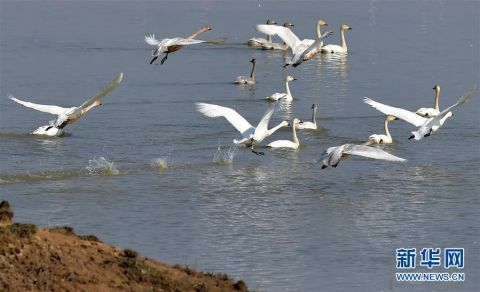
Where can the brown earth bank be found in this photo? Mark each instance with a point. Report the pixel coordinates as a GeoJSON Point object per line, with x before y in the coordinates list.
{"type": "Point", "coordinates": [56, 259]}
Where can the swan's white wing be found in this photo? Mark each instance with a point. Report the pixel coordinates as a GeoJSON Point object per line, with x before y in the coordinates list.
{"type": "Point", "coordinates": [405, 115]}
{"type": "Point", "coordinates": [106, 90]}
{"type": "Point", "coordinates": [151, 40]}
{"type": "Point", "coordinates": [214, 111]}
{"type": "Point", "coordinates": [312, 45]}
{"type": "Point", "coordinates": [263, 124]}
{"type": "Point", "coordinates": [370, 152]}
{"type": "Point", "coordinates": [283, 32]}
{"type": "Point", "coordinates": [461, 101]}
{"type": "Point", "coordinates": [51, 109]}
{"type": "Point", "coordinates": [180, 41]}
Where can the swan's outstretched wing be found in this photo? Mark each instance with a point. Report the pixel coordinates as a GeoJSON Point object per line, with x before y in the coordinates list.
{"type": "Point", "coordinates": [51, 109]}
{"type": "Point", "coordinates": [214, 111]}
{"type": "Point", "coordinates": [283, 32]}
{"type": "Point", "coordinates": [180, 41]}
{"type": "Point", "coordinates": [106, 90]}
{"type": "Point", "coordinates": [405, 115]}
{"type": "Point", "coordinates": [370, 152]}
{"type": "Point", "coordinates": [151, 40]}
{"type": "Point", "coordinates": [263, 124]}
{"type": "Point", "coordinates": [312, 45]}
{"type": "Point", "coordinates": [460, 101]}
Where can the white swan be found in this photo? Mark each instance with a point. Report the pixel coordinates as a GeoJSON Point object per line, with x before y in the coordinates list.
{"type": "Point", "coordinates": [172, 45]}
{"type": "Point", "coordinates": [383, 138]}
{"type": "Point", "coordinates": [287, 143]}
{"type": "Point", "coordinates": [309, 125]}
{"type": "Point", "coordinates": [277, 46]}
{"type": "Point", "coordinates": [250, 80]}
{"type": "Point", "coordinates": [425, 125]}
{"type": "Point", "coordinates": [256, 42]}
{"type": "Point", "coordinates": [320, 23]}
{"type": "Point", "coordinates": [300, 48]}
{"type": "Point", "coordinates": [67, 115]}
{"type": "Point", "coordinates": [336, 49]}
{"type": "Point", "coordinates": [429, 112]}
{"type": "Point", "coordinates": [283, 96]}
{"type": "Point", "coordinates": [250, 134]}
{"type": "Point", "coordinates": [332, 156]}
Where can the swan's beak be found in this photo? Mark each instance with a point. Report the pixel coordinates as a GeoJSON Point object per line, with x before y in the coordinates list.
{"type": "Point", "coordinates": [326, 24]}
{"type": "Point", "coordinates": [350, 28]}
{"type": "Point", "coordinates": [396, 119]}
{"type": "Point", "coordinates": [294, 79]}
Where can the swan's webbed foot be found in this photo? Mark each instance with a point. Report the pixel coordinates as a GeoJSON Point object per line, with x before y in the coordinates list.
{"type": "Point", "coordinates": [428, 134]}
{"type": "Point", "coordinates": [164, 59]}
{"type": "Point", "coordinates": [153, 59]}
{"type": "Point", "coordinates": [258, 153]}
{"type": "Point", "coordinates": [324, 166]}
{"type": "Point", "coordinates": [48, 128]}
{"type": "Point", "coordinates": [284, 66]}
{"type": "Point", "coordinates": [411, 137]}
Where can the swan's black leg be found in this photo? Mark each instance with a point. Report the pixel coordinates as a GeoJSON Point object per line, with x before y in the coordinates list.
{"type": "Point", "coordinates": [153, 59]}
{"type": "Point", "coordinates": [258, 153]}
{"type": "Point", "coordinates": [411, 137]}
{"type": "Point", "coordinates": [164, 58]}
{"type": "Point", "coordinates": [324, 166]}
{"type": "Point", "coordinates": [429, 133]}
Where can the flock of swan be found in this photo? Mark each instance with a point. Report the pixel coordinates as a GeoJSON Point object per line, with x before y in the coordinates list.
{"type": "Point", "coordinates": [426, 120]}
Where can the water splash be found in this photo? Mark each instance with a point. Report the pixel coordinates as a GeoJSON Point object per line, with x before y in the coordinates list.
{"type": "Point", "coordinates": [225, 157]}
{"type": "Point", "coordinates": [159, 163]}
{"type": "Point", "coordinates": [101, 166]}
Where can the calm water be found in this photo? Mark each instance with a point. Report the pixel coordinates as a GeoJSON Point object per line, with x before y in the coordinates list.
{"type": "Point", "coordinates": [278, 221]}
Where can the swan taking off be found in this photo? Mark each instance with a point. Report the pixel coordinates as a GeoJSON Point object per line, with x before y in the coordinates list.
{"type": "Point", "coordinates": [172, 45]}
{"type": "Point", "coordinates": [425, 125]}
{"type": "Point", "coordinates": [67, 115]}
{"type": "Point", "coordinates": [336, 49]}
{"type": "Point", "coordinates": [382, 139]}
{"type": "Point", "coordinates": [287, 143]}
{"type": "Point", "coordinates": [250, 80]}
{"type": "Point", "coordinates": [257, 42]}
{"type": "Point", "coordinates": [283, 96]}
{"type": "Point", "coordinates": [332, 156]}
{"type": "Point", "coordinates": [309, 125]}
{"type": "Point", "coordinates": [250, 134]}
{"type": "Point", "coordinates": [277, 46]}
{"type": "Point", "coordinates": [429, 112]}
{"type": "Point", "coordinates": [302, 50]}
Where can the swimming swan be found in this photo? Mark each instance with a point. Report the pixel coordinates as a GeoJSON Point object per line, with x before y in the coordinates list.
{"type": "Point", "coordinates": [336, 49]}
{"type": "Point", "coordinates": [250, 134]}
{"type": "Point", "coordinates": [309, 125]}
{"type": "Point", "coordinates": [382, 139]}
{"type": "Point", "coordinates": [300, 48]}
{"type": "Point", "coordinates": [172, 45]}
{"type": "Point", "coordinates": [332, 156]}
{"type": "Point", "coordinates": [67, 115]}
{"type": "Point", "coordinates": [256, 42]}
{"type": "Point", "coordinates": [287, 143]}
{"type": "Point", "coordinates": [425, 125]}
{"type": "Point", "coordinates": [429, 112]}
{"type": "Point", "coordinates": [250, 80]}
{"type": "Point", "coordinates": [277, 46]}
{"type": "Point", "coordinates": [283, 96]}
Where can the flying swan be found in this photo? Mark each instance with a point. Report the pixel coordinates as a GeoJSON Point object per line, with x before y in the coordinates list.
{"type": "Point", "coordinates": [67, 115]}
{"type": "Point", "coordinates": [302, 50]}
{"type": "Point", "coordinates": [283, 96]}
{"type": "Point", "coordinates": [287, 143]}
{"type": "Point", "coordinates": [277, 46]}
{"type": "Point", "coordinates": [172, 45]}
{"type": "Point", "coordinates": [250, 80]}
{"type": "Point", "coordinates": [332, 156]}
{"type": "Point", "coordinates": [250, 134]}
{"type": "Point", "coordinates": [425, 125]}
{"type": "Point", "coordinates": [429, 112]}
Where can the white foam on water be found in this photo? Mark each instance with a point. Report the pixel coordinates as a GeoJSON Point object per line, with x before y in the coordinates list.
{"type": "Point", "coordinates": [225, 157]}
{"type": "Point", "coordinates": [101, 166]}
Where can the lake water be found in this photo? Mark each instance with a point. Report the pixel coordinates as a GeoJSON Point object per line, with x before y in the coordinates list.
{"type": "Point", "coordinates": [277, 221]}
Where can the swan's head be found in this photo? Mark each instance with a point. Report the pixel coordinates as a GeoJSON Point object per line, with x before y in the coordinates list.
{"type": "Point", "coordinates": [290, 78]}
{"type": "Point", "coordinates": [314, 107]}
{"type": "Point", "coordinates": [391, 118]}
{"type": "Point", "coordinates": [288, 24]}
{"type": "Point", "coordinates": [271, 21]}
{"type": "Point", "coordinates": [284, 123]}
{"type": "Point", "coordinates": [449, 114]}
{"type": "Point", "coordinates": [345, 27]}
{"type": "Point", "coordinates": [436, 87]}
{"type": "Point", "coordinates": [205, 28]}
{"type": "Point", "coordinates": [322, 22]}
{"type": "Point", "coordinates": [253, 61]}
{"type": "Point", "coordinates": [295, 121]}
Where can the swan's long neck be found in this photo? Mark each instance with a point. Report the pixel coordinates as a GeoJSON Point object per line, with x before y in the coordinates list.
{"type": "Point", "coordinates": [437, 95]}
{"type": "Point", "coordinates": [195, 34]}
{"type": "Point", "coordinates": [294, 135]}
{"type": "Point", "coordinates": [314, 113]}
{"type": "Point", "coordinates": [319, 35]}
{"type": "Point", "coordinates": [274, 129]}
{"type": "Point", "coordinates": [252, 74]}
{"type": "Point", "coordinates": [387, 133]}
{"type": "Point", "coordinates": [343, 43]}
{"type": "Point", "coordinates": [288, 88]}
